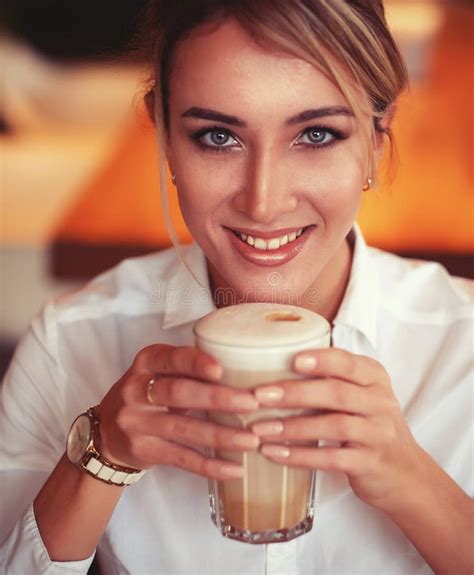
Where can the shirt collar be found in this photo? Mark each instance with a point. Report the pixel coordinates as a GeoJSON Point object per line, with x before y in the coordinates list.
{"type": "Point", "coordinates": [358, 309]}
{"type": "Point", "coordinates": [186, 301]}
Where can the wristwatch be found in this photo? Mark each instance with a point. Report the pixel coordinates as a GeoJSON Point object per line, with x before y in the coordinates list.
{"type": "Point", "coordinates": [83, 451]}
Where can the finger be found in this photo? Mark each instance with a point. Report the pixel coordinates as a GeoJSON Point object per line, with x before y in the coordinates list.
{"type": "Point", "coordinates": [139, 388]}
{"type": "Point", "coordinates": [179, 410]}
{"type": "Point", "coordinates": [190, 430]}
{"type": "Point", "coordinates": [163, 452]}
{"type": "Point", "coordinates": [347, 460]}
{"type": "Point", "coordinates": [331, 394]}
{"type": "Point", "coordinates": [341, 364]}
{"type": "Point", "coordinates": [191, 394]}
{"type": "Point", "coordinates": [331, 427]}
{"type": "Point", "coordinates": [182, 360]}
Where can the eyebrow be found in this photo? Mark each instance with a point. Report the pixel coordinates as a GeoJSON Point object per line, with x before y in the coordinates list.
{"type": "Point", "coordinates": [307, 115]}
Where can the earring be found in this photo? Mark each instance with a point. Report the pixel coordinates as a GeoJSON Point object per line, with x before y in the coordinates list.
{"type": "Point", "coordinates": [368, 185]}
{"type": "Point", "coordinates": [173, 178]}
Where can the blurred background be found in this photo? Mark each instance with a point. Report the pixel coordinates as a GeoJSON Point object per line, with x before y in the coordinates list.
{"type": "Point", "coordinates": [78, 184]}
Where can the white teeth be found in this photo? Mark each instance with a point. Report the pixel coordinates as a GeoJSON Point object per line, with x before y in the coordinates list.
{"type": "Point", "coordinates": [273, 244]}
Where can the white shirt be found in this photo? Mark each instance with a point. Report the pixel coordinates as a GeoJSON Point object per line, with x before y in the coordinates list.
{"type": "Point", "coordinates": [411, 316]}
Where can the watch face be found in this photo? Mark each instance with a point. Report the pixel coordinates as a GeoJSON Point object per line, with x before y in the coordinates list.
{"type": "Point", "coordinates": [79, 438]}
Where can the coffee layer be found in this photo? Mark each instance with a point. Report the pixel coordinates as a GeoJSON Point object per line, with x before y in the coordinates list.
{"type": "Point", "coordinates": [270, 496]}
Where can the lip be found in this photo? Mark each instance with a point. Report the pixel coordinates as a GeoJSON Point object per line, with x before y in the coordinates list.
{"type": "Point", "coordinates": [266, 235]}
{"type": "Point", "coordinates": [278, 257]}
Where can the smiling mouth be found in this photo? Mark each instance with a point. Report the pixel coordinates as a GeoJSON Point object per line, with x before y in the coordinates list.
{"type": "Point", "coordinates": [273, 243]}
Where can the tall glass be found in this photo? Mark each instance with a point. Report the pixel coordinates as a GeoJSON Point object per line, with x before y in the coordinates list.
{"type": "Point", "coordinates": [255, 343]}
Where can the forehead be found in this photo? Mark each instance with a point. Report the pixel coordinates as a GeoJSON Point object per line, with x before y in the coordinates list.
{"type": "Point", "coordinates": [223, 67]}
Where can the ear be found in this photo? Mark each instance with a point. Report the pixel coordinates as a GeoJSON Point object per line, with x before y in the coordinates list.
{"type": "Point", "coordinates": [383, 131]}
{"type": "Point", "coordinates": [149, 100]}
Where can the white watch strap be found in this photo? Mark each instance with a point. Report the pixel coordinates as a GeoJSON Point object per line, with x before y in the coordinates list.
{"type": "Point", "coordinates": [110, 475]}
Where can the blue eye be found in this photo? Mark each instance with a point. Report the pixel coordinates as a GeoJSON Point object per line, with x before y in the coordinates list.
{"type": "Point", "coordinates": [215, 139]}
{"type": "Point", "coordinates": [319, 137]}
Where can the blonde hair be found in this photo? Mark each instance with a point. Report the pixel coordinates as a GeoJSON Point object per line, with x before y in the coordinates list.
{"type": "Point", "coordinates": [348, 40]}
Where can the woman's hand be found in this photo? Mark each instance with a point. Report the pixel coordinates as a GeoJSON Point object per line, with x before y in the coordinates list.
{"type": "Point", "coordinates": [140, 434]}
{"type": "Point", "coordinates": [378, 452]}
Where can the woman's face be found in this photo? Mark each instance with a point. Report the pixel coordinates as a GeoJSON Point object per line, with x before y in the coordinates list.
{"type": "Point", "coordinates": [263, 143]}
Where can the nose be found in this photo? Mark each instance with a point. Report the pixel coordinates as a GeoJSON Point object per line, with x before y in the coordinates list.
{"type": "Point", "coordinates": [266, 192]}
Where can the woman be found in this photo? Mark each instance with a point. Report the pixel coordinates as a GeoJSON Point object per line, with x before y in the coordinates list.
{"type": "Point", "coordinates": [273, 116]}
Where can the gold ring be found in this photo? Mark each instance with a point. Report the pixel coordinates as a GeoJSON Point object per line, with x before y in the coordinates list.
{"type": "Point", "coordinates": [149, 387]}
{"type": "Point", "coordinates": [151, 400]}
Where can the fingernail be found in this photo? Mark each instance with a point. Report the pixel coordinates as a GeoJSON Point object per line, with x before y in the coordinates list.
{"type": "Point", "coordinates": [268, 428]}
{"type": "Point", "coordinates": [232, 470]}
{"type": "Point", "coordinates": [275, 450]}
{"type": "Point", "coordinates": [305, 363]}
{"type": "Point", "coordinates": [213, 371]}
{"type": "Point", "coordinates": [250, 441]}
{"type": "Point", "coordinates": [269, 394]}
{"type": "Point", "coordinates": [244, 402]}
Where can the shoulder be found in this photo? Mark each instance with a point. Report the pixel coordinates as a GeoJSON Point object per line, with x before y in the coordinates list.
{"type": "Point", "coordinates": [126, 290]}
{"type": "Point", "coordinates": [132, 281]}
{"type": "Point", "coordinates": [422, 291]}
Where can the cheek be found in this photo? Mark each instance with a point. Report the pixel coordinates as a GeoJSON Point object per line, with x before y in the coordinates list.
{"type": "Point", "coordinates": [339, 213]}
{"type": "Point", "coordinates": [194, 202]}
{"type": "Point", "coordinates": [205, 184]}
{"type": "Point", "coordinates": [340, 198]}
{"type": "Point", "coordinates": [193, 187]}
{"type": "Point", "coordinates": [200, 201]}
{"type": "Point", "coordinates": [334, 185]}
